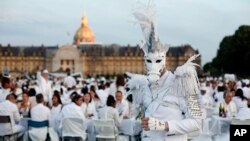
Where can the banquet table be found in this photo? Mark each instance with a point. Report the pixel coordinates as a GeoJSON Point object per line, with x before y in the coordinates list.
{"type": "Point", "coordinates": [130, 127]}
{"type": "Point", "coordinates": [24, 123]}
{"type": "Point", "coordinates": [219, 125]}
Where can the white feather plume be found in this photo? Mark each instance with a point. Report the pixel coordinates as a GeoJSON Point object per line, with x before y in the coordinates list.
{"type": "Point", "coordinates": [137, 85]}
{"type": "Point", "coordinates": [186, 79]}
{"type": "Point", "coordinates": [144, 14]}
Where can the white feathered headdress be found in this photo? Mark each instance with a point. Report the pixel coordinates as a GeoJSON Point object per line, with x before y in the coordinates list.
{"type": "Point", "coordinates": [144, 14]}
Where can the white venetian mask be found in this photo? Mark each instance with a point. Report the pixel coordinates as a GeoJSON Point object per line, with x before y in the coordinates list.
{"type": "Point", "coordinates": [155, 63]}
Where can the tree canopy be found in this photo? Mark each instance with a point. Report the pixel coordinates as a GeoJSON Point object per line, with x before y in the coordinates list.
{"type": "Point", "coordinates": [233, 55]}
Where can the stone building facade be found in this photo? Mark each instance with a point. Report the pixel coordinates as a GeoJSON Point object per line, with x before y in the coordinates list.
{"type": "Point", "coordinates": [89, 59]}
{"type": "Point", "coordinates": [85, 56]}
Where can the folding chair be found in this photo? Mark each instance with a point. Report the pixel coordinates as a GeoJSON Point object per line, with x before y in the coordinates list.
{"type": "Point", "coordinates": [8, 134]}
{"type": "Point", "coordinates": [105, 129]}
{"type": "Point", "coordinates": [38, 124]}
{"type": "Point", "coordinates": [73, 129]}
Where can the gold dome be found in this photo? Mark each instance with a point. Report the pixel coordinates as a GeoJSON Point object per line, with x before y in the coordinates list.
{"type": "Point", "coordinates": [84, 33]}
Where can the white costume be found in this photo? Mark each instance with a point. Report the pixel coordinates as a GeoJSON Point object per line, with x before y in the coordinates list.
{"type": "Point", "coordinates": [169, 99]}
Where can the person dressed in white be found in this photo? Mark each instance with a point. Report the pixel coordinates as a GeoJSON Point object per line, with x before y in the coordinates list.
{"type": "Point", "coordinates": [44, 85]}
{"type": "Point", "coordinates": [39, 113]}
{"type": "Point", "coordinates": [69, 81]}
{"type": "Point", "coordinates": [5, 88]}
{"type": "Point", "coordinates": [95, 98]}
{"type": "Point", "coordinates": [118, 85]}
{"type": "Point", "coordinates": [55, 111]}
{"type": "Point", "coordinates": [102, 95]}
{"type": "Point", "coordinates": [9, 107]}
{"type": "Point", "coordinates": [206, 98]}
{"type": "Point", "coordinates": [121, 105]}
{"type": "Point", "coordinates": [229, 104]}
{"type": "Point", "coordinates": [241, 104]}
{"type": "Point", "coordinates": [73, 110]}
{"type": "Point", "coordinates": [110, 112]}
{"type": "Point", "coordinates": [88, 106]}
{"type": "Point", "coordinates": [219, 96]}
{"type": "Point", "coordinates": [170, 100]}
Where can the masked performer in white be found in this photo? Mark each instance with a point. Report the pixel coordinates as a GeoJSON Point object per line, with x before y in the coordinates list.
{"type": "Point", "coordinates": [170, 101]}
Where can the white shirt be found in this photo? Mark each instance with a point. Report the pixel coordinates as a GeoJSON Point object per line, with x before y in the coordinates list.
{"type": "Point", "coordinates": [206, 101]}
{"type": "Point", "coordinates": [54, 117]}
{"type": "Point", "coordinates": [246, 92]}
{"type": "Point", "coordinates": [55, 111]}
{"type": "Point", "coordinates": [123, 108]}
{"type": "Point", "coordinates": [72, 110]}
{"type": "Point", "coordinates": [231, 108]}
{"type": "Point", "coordinates": [212, 91]}
{"type": "Point", "coordinates": [3, 94]}
{"type": "Point", "coordinates": [239, 102]}
{"type": "Point", "coordinates": [9, 108]}
{"type": "Point", "coordinates": [109, 113]}
{"type": "Point", "coordinates": [113, 89]}
{"type": "Point", "coordinates": [219, 96]}
{"type": "Point", "coordinates": [103, 96]}
{"type": "Point", "coordinates": [243, 113]}
{"type": "Point", "coordinates": [40, 112]}
{"type": "Point", "coordinates": [69, 81]}
{"type": "Point", "coordinates": [98, 103]}
{"type": "Point", "coordinates": [44, 86]}
{"type": "Point", "coordinates": [89, 109]}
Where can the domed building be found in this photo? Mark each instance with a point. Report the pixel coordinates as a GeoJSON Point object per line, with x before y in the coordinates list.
{"type": "Point", "coordinates": [85, 56]}
{"type": "Point", "coordinates": [84, 33]}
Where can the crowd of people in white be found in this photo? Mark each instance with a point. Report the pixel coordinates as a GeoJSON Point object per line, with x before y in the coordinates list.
{"type": "Point", "coordinates": [53, 100]}
{"type": "Point", "coordinates": [44, 99]}
{"type": "Point", "coordinates": [232, 95]}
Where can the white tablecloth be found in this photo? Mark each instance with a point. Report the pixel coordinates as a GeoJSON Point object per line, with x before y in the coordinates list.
{"type": "Point", "coordinates": [24, 123]}
{"type": "Point", "coordinates": [130, 127]}
{"type": "Point", "coordinates": [219, 125]}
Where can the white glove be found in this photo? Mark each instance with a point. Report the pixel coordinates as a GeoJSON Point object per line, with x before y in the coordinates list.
{"type": "Point", "coordinates": [154, 124]}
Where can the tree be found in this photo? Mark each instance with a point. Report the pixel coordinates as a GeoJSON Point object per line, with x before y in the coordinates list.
{"type": "Point", "coordinates": [233, 55]}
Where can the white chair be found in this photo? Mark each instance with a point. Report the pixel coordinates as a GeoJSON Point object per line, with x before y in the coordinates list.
{"type": "Point", "coordinates": [105, 129]}
{"type": "Point", "coordinates": [7, 132]}
{"type": "Point", "coordinates": [73, 127]}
